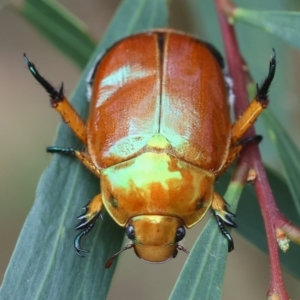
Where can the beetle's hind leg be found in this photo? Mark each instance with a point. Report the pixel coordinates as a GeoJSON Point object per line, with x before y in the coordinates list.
{"type": "Point", "coordinates": [256, 107]}
{"type": "Point", "coordinates": [60, 103]}
{"type": "Point", "coordinates": [87, 221]}
{"type": "Point", "coordinates": [223, 216]}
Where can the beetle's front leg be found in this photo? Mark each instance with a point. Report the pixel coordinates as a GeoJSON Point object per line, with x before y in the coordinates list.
{"type": "Point", "coordinates": [219, 208]}
{"type": "Point", "coordinates": [94, 207]}
{"type": "Point", "coordinates": [60, 103]}
{"type": "Point", "coordinates": [88, 220]}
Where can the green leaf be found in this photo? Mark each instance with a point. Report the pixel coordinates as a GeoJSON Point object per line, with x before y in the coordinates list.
{"type": "Point", "coordinates": [283, 24]}
{"type": "Point", "coordinates": [203, 273]}
{"type": "Point", "coordinates": [202, 276]}
{"type": "Point", "coordinates": [44, 264]}
{"type": "Point", "coordinates": [288, 154]}
{"type": "Point", "coordinates": [61, 28]}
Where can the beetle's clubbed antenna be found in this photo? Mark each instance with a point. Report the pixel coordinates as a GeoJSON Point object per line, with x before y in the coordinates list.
{"type": "Point", "coordinates": [110, 261]}
{"type": "Point", "coordinates": [180, 247]}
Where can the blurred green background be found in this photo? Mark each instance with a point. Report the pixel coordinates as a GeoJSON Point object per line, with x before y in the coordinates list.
{"type": "Point", "coordinates": [28, 125]}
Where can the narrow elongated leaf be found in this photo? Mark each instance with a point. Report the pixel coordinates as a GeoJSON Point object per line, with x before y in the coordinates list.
{"type": "Point", "coordinates": [44, 264]}
{"type": "Point", "coordinates": [288, 153]}
{"type": "Point", "coordinates": [202, 276]}
{"type": "Point", "coordinates": [61, 28]}
{"type": "Point", "coordinates": [203, 273]}
{"type": "Point", "coordinates": [283, 24]}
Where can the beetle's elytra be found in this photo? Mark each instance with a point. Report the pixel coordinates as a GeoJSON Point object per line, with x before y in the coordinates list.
{"type": "Point", "coordinates": [158, 135]}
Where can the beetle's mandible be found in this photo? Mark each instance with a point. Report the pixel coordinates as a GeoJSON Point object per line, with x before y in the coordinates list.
{"type": "Point", "coordinates": [158, 135]}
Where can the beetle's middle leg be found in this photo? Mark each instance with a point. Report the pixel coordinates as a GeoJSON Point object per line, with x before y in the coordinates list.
{"type": "Point", "coordinates": [61, 104]}
{"type": "Point", "coordinates": [83, 157]}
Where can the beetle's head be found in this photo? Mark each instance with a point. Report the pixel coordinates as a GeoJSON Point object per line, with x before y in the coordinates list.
{"type": "Point", "coordinates": [154, 238]}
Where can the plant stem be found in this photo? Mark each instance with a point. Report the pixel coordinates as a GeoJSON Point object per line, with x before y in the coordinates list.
{"type": "Point", "coordinates": [250, 156]}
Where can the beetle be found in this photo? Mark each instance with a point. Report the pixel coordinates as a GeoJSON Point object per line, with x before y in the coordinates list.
{"type": "Point", "coordinates": [158, 135]}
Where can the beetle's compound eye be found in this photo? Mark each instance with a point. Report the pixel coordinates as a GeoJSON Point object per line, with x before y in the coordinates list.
{"type": "Point", "coordinates": [180, 234]}
{"type": "Point", "coordinates": [130, 232]}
